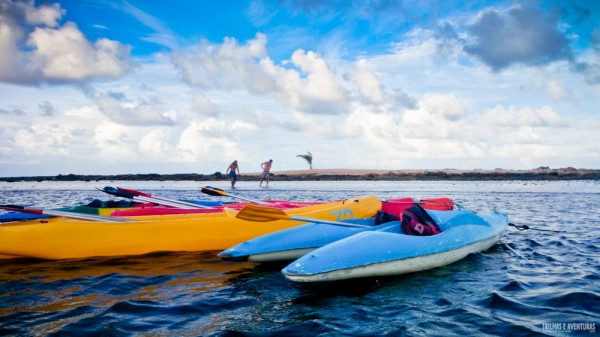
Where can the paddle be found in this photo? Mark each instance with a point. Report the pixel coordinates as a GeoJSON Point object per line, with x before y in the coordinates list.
{"type": "Point", "coordinates": [264, 214]}
{"type": "Point", "coordinates": [217, 192]}
{"type": "Point", "coordinates": [448, 205]}
{"type": "Point", "coordinates": [145, 197]}
{"type": "Point", "coordinates": [79, 216]}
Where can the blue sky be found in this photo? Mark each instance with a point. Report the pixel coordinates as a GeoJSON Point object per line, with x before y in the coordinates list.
{"type": "Point", "coordinates": [105, 87]}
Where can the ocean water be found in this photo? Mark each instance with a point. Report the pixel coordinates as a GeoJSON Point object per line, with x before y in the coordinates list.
{"type": "Point", "coordinates": [538, 282]}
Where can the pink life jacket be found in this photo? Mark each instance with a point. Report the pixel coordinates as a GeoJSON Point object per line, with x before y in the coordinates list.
{"type": "Point", "coordinates": [416, 221]}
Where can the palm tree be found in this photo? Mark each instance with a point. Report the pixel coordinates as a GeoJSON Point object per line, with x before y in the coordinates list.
{"type": "Point", "coordinates": [308, 157]}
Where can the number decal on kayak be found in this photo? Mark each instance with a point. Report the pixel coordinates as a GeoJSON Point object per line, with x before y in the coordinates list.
{"type": "Point", "coordinates": [343, 214]}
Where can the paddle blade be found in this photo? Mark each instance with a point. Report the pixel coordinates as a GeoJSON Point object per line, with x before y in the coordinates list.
{"type": "Point", "coordinates": [213, 191]}
{"type": "Point", "coordinates": [441, 204]}
{"type": "Point", "coordinates": [261, 214]}
{"type": "Point", "coordinates": [22, 209]}
{"type": "Point", "coordinates": [118, 193]}
{"type": "Point", "coordinates": [134, 192]}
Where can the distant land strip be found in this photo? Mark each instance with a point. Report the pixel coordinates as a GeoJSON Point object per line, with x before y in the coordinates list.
{"type": "Point", "coordinates": [542, 173]}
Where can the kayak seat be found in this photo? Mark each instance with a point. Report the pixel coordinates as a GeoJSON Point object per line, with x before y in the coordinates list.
{"type": "Point", "coordinates": [384, 217]}
{"type": "Point", "coordinates": [416, 221]}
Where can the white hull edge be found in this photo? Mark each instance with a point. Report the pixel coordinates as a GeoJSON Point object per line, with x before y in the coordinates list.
{"type": "Point", "coordinates": [398, 267]}
{"type": "Point", "coordinates": [284, 255]}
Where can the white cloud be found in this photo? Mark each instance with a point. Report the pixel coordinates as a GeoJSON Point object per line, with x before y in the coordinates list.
{"type": "Point", "coordinates": [309, 84]}
{"type": "Point", "coordinates": [65, 54]}
{"type": "Point", "coordinates": [226, 66]}
{"type": "Point", "coordinates": [203, 105]}
{"type": "Point", "coordinates": [524, 117]}
{"type": "Point", "coordinates": [141, 113]}
{"type": "Point", "coordinates": [448, 106]}
{"type": "Point", "coordinates": [556, 90]}
{"type": "Point", "coordinates": [315, 89]}
{"type": "Point", "coordinates": [368, 84]}
{"type": "Point", "coordinates": [115, 143]}
{"type": "Point", "coordinates": [47, 15]}
{"type": "Point", "coordinates": [156, 145]}
{"type": "Point", "coordinates": [206, 140]}
{"type": "Point", "coordinates": [43, 51]}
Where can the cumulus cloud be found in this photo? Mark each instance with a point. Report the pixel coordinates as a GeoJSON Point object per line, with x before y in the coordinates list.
{"type": "Point", "coordinates": [449, 107]}
{"type": "Point", "coordinates": [518, 35]}
{"type": "Point", "coordinates": [34, 48]}
{"type": "Point", "coordinates": [306, 82]}
{"type": "Point", "coordinates": [368, 83]}
{"type": "Point", "coordinates": [524, 117]}
{"type": "Point", "coordinates": [114, 142]}
{"type": "Point", "coordinates": [156, 145]}
{"type": "Point", "coordinates": [314, 89]}
{"type": "Point", "coordinates": [203, 105]}
{"type": "Point", "coordinates": [259, 118]}
{"type": "Point", "coordinates": [139, 113]}
{"type": "Point", "coordinates": [436, 116]}
{"type": "Point", "coordinates": [211, 138]}
{"type": "Point", "coordinates": [226, 66]}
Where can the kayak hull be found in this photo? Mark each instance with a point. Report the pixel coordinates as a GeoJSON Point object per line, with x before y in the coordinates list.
{"type": "Point", "coordinates": [61, 238]}
{"type": "Point", "coordinates": [386, 253]}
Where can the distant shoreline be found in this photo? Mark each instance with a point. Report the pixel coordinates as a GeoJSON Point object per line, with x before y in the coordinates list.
{"type": "Point", "coordinates": [342, 174]}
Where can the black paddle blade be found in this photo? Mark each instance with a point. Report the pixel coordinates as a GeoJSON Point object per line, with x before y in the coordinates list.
{"type": "Point", "coordinates": [118, 192]}
{"type": "Point", "coordinates": [12, 207]}
{"type": "Point", "coordinates": [213, 191]}
{"type": "Point", "coordinates": [22, 209]}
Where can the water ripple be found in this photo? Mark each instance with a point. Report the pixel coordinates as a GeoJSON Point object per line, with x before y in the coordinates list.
{"type": "Point", "coordinates": [545, 277]}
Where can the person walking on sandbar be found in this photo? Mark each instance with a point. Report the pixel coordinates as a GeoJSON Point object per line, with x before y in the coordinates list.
{"type": "Point", "coordinates": [231, 170]}
{"type": "Point", "coordinates": [266, 167]}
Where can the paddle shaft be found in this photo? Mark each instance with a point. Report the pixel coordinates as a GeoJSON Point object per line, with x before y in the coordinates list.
{"type": "Point", "coordinates": [144, 197]}
{"type": "Point", "coordinates": [328, 222]}
{"type": "Point", "coordinates": [266, 214]}
{"type": "Point", "coordinates": [72, 215]}
{"type": "Point", "coordinates": [169, 202]}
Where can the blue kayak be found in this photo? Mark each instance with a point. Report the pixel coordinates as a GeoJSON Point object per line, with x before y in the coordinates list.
{"type": "Point", "coordinates": [390, 251]}
{"type": "Point", "coordinates": [290, 244]}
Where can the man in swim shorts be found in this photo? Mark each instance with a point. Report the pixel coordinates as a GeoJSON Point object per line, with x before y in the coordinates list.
{"type": "Point", "coordinates": [231, 170]}
{"type": "Point", "coordinates": [266, 167]}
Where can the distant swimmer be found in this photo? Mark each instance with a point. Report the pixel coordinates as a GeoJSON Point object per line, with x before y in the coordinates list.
{"type": "Point", "coordinates": [234, 171]}
{"type": "Point", "coordinates": [266, 167]}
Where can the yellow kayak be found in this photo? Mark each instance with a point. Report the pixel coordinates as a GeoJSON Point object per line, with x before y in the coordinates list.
{"type": "Point", "coordinates": [62, 238]}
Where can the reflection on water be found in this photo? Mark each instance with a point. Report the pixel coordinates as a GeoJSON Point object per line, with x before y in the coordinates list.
{"type": "Point", "coordinates": [38, 285]}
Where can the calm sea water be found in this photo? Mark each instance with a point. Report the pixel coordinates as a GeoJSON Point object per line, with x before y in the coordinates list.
{"type": "Point", "coordinates": [546, 284]}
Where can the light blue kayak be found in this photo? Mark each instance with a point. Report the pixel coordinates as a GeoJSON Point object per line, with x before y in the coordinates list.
{"type": "Point", "coordinates": [390, 251]}
{"type": "Point", "coordinates": [290, 244]}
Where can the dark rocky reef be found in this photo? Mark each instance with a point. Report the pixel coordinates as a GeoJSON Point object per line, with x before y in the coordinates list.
{"type": "Point", "coordinates": [535, 174]}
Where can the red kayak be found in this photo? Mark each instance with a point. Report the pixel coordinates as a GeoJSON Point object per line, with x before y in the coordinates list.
{"type": "Point", "coordinates": [161, 210]}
